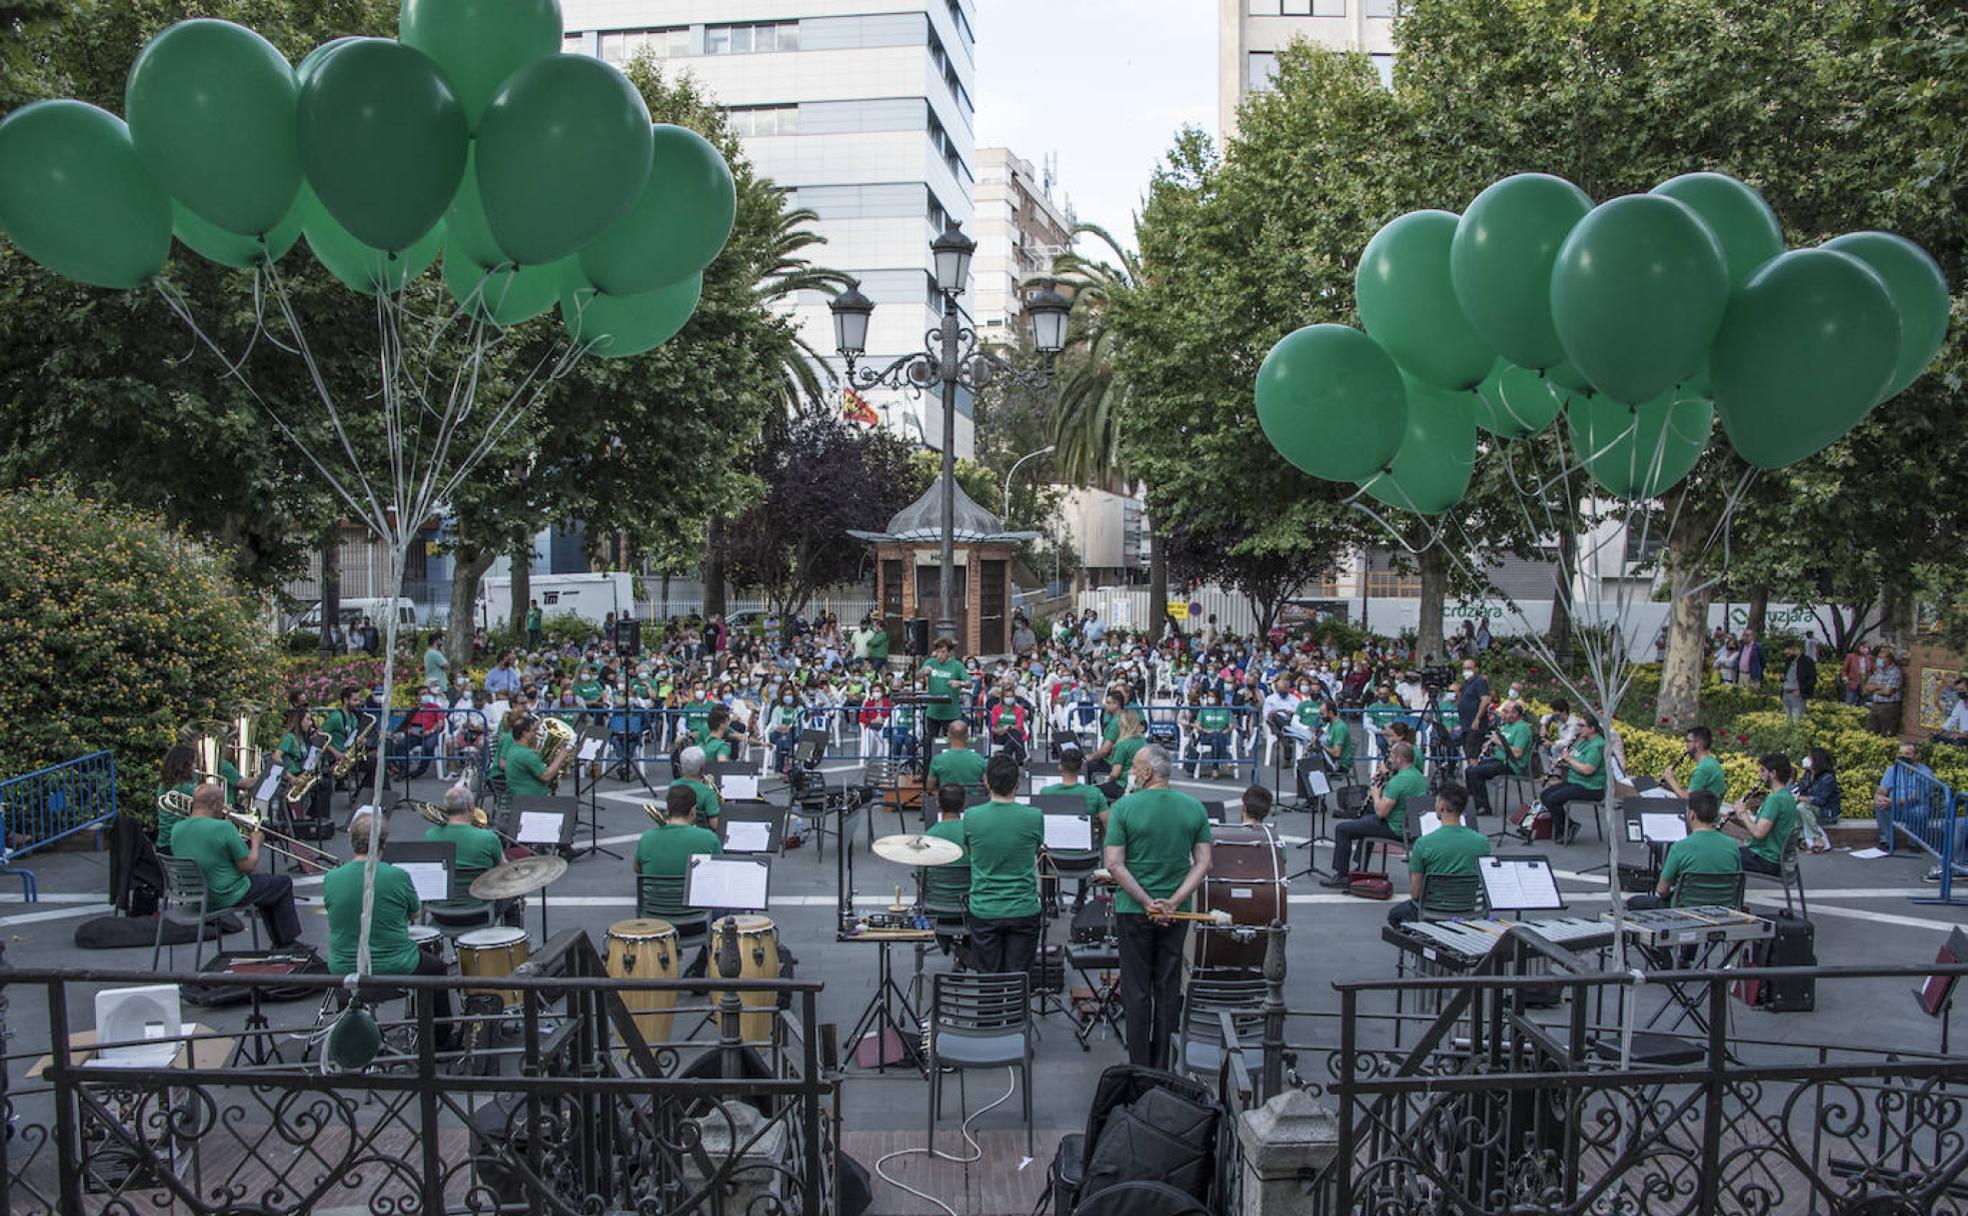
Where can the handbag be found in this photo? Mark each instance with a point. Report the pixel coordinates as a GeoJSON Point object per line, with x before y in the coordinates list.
{"type": "Point", "coordinates": [1369, 884]}
{"type": "Point", "coordinates": [1532, 822]}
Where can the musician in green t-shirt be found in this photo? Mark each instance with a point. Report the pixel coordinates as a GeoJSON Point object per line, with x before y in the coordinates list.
{"type": "Point", "coordinates": [956, 764]}
{"type": "Point", "coordinates": [1157, 847]}
{"type": "Point", "coordinates": [1509, 753]}
{"type": "Point", "coordinates": [1450, 849]}
{"type": "Point", "coordinates": [1775, 820]}
{"type": "Point", "coordinates": [947, 678]}
{"type": "Point", "coordinates": [1387, 818]}
{"type": "Point", "coordinates": [1707, 774]}
{"type": "Point", "coordinates": [1582, 769]}
{"type": "Point", "coordinates": [1704, 850]}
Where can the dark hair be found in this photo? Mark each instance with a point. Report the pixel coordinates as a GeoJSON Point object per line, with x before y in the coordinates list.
{"type": "Point", "coordinates": [1450, 800]}
{"type": "Point", "coordinates": [349, 688]}
{"type": "Point", "coordinates": [950, 799]}
{"type": "Point", "coordinates": [1257, 802]}
{"type": "Point", "coordinates": [717, 717]}
{"type": "Point", "coordinates": [1821, 761]}
{"type": "Point", "coordinates": [1704, 806]}
{"type": "Point", "coordinates": [180, 764]}
{"type": "Point", "coordinates": [1402, 731]}
{"type": "Point", "coordinates": [1703, 736]}
{"type": "Point", "coordinates": [521, 723]}
{"type": "Point", "coordinates": [680, 802]}
{"type": "Point", "coordinates": [1071, 760]}
{"type": "Point", "coordinates": [1001, 775]}
{"type": "Point", "coordinates": [1778, 764]}
{"type": "Point", "coordinates": [1558, 705]}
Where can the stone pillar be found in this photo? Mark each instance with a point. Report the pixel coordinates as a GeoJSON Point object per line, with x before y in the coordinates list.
{"type": "Point", "coordinates": [1287, 1144]}
{"type": "Point", "coordinates": [753, 1184]}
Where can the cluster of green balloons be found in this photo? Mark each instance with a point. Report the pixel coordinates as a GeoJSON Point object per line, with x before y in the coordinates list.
{"type": "Point", "coordinates": [536, 175]}
{"type": "Point", "coordinates": [1640, 320]}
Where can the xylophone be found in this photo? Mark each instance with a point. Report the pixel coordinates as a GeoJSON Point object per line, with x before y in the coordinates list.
{"type": "Point", "coordinates": [1695, 926]}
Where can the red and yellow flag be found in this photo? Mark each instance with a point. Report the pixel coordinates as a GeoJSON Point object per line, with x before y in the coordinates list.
{"type": "Point", "coordinates": [856, 409]}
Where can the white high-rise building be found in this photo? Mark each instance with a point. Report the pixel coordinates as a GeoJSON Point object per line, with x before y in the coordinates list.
{"type": "Point", "coordinates": [865, 118]}
{"type": "Point", "coordinates": [1250, 33]}
{"type": "Point", "coordinates": [1019, 230]}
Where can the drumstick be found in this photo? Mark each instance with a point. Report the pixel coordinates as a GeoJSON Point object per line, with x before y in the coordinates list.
{"type": "Point", "coordinates": [1217, 917]}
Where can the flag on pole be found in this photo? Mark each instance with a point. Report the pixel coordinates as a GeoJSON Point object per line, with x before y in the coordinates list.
{"type": "Point", "coordinates": [856, 409]}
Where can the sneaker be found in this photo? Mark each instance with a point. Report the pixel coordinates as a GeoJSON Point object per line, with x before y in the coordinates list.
{"type": "Point", "coordinates": [1572, 832]}
{"type": "Point", "coordinates": [1934, 875]}
{"type": "Point", "coordinates": [1337, 880]}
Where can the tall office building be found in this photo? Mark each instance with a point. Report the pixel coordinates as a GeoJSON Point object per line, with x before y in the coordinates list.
{"type": "Point", "coordinates": [1250, 33]}
{"type": "Point", "coordinates": [866, 118]}
{"type": "Point", "coordinates": [1019, 230]}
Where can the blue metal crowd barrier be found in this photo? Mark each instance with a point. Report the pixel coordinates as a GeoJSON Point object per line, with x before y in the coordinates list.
{"type": "Point", "coordinates": [41, 807]}
{"type": "Point", "coordinates": [1925, 810]}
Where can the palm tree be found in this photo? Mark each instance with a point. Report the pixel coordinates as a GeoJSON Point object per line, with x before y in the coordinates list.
{"type": "Point", "coordinates": [1094, 396]}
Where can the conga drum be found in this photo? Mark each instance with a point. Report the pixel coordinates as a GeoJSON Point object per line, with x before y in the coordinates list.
{"type": "Point", "coordinates": [1247, 880]}
{"type": "Point", "coordinates": [758, 959]}
{"type": "Point", "coordinates": [646, 949]}
{"type": "Point", "coordinates": [428, 940]}
{"type": "Point", "coordinates": [489, 954]}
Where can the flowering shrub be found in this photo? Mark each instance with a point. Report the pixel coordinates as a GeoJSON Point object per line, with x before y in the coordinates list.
{"type": "Point", "coordinates": [115, 631]}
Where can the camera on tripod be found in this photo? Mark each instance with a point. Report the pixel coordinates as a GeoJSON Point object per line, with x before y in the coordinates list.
{"type": "Point", "coordinates": [1436, 677]}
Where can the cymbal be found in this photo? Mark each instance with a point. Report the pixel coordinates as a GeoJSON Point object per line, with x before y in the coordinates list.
{"type": "Point", "coordinates": [521, 877]}
{"type": "Point", "coordinates": [913, 850]}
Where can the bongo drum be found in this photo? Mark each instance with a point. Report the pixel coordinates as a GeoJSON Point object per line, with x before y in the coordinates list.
{"type": "Point", "coordinates": [758, 959]}
{"type": "Point", "coordinates": [646, 949]}
{"type": "Point", "coordinates": [428, 940]}
{"type": "Point", "coordinates": [489, 954]}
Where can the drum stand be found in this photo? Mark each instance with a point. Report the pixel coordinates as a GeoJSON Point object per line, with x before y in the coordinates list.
{"type": "Point", "coordinates": [594, 816]}
{"type": "Point", "coordinates": [878, 1018]}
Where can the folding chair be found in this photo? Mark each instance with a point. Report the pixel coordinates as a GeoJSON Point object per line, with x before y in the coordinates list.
{"type": "Point", "coordinates": [979, 1021]}
{"type": "Point", "coordinates": [187, 901]}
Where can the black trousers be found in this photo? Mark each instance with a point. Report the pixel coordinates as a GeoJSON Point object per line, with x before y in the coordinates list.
{"type": "Point", "coordinates": [431, 964]}
{"type": "Point", "coordinates": [1002, 945]}
{"type": "Point", "coordinates": [1645, 903]}
{"type": "Point", "coordinates": [1403, 912]}
{"type": "Point", "coordinates": [1756, 863]}
{"type": "Point", "coordinates": [1151, 985]}
{"type": "Point", "coordinates": [273, 896]}
{"type": "Point", "coordinates": [1555, 798]}
{"type": "Point", "coordinates": [1348, 832]}
{"type": "Point", "coordinates": [1479, 776]}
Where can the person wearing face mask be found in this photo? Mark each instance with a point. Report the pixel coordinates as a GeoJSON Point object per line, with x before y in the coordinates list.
{"type": "Point", "coordinates": [1473, 709]}
{"type": "Point", "coordinates": [1817, 788]}
{"type": "Point", "coordinates": [1213, 723]}
{"type": "Point", "coordinates": [782, 727]}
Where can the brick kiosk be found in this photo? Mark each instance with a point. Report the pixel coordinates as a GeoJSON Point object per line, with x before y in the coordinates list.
{"type": "Point", "coordinates": [906, 571]}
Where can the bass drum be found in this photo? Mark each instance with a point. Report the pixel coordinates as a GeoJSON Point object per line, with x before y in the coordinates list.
{"type": "Point", "coordinates": [646, 949]}
{"type": "Point", "coordinates": [1247, 880]}
{"type": "Point", "coordinates": [758, 959]}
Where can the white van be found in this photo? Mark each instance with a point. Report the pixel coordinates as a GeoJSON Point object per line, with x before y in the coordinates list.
{"type": "Point", "coordinates": [589, 596]}
{"type": "Point", "coordinates": [353, 608]}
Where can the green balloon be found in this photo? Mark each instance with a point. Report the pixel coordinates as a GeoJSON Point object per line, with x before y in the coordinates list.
{"type": "Point", "coordinates": [1408, 304]}
{"type": "Point", "coordinates": [1809, 346]}
{"type": "Point", "coordinates": [383, 140]}
{"type": "Point", "coordinates": [75, 197]}
{"type": "Point", "coordinates": [1331, 402]}
{"type": "Point", "coordinates": [479, 43]}
{"type": "Point", "coordinates": [211, 110]}
{"type": "Point", "coordinates": [505, 296]}
{"type": "Point", "coordinates": [1513, 402]}
{"type": "Point", "coordinates": [1742, 222]}
{"type": "Point", "coordinates": [563, 152]}
{"type": "Point", "coordinates": [466, 219]}
{"type": "Point", "coordinates": [1567, 377]}
{"type": "Point", "coordinates": [619, 326]}
{"type": "Point", "coordinates": [1919, 290]}
{"type": "Point", "coordinates": [1431, 470]}
{"type": "Point", "coordinates": [679, 223]}
{"type": "Point", "coordinates": [364, 268]}
{"type": "Point", "coordinates": [312, 60]}
{"type": "Point", "coordinates": [353, 1039]}
{"type": "Point", "coordinates": [215, 244]}
{"type": "Point", "coordinates": [1500, 263]}
{"type": "Point", "coordinates": [1640, 451]}
{"type": "Point", "coordinates": [1637, 293]}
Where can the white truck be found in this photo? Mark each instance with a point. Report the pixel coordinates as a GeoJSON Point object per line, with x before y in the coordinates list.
{"type": "Point", "coordinates": [589, 596]}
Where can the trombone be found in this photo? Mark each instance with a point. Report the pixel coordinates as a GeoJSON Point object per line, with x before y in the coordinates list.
{"type": "Point", "coordinates": [316, 858]}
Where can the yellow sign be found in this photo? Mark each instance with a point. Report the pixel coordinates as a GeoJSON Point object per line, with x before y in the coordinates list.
{"type": "Point", "coordinates": [1179, 609]}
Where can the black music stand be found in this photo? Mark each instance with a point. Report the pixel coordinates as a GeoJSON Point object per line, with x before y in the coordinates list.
{"type": "Point", "coordinates": [728, 884]}
{"type": "Point", "coordinates": [584, 742]}
{"type": "Point", "coordinates": [1936, 996]}
{"type": "Point", "coordinates": [1520, 882]}
{"type": "Point", "coordinates": [557, 837]}
{"type": "Point", "coordinates": [413, 856]}
{"type": "Point", "coordinates": [772, 818]}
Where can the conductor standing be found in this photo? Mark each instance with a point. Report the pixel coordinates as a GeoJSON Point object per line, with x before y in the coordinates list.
{"type": "Point", "coordinates": [1158, 850]}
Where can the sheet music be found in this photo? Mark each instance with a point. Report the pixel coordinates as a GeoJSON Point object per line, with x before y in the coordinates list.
{"type": "Point", "coordinates": [741, 836]}
{"type": "Point", "coordinates": [539, 827]}
{"type": "Point", "coordinates": [591, 748]}
{"type": "Point", "coordinates": [1659, 791]}
{"type": "Point", "coordinates": [716, 883]}
{"type": "Point", "coordinates": [1659, 827]}
{"type": "Point", "coordinates": [430, 878]}
{"type": "Point", "coordinates": [1514, 886]}
{"type": "Point", "coordinates": [1315, 781]}
{"type": "Point", "coordinates": [268, 786]}
{"type": "Point", "coordinates": [739, 787]}
{"type": "Point", "coordinates": [313, 762]}
{"type": "Point", "coordinates": [1068, 833]}
{"type": "Point", "coordinates": [1429, 822]}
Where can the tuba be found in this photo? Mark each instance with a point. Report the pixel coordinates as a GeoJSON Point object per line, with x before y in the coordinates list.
{"type": "Point", "coordinates": [556, 737]}
{"type": "Point", "coordinates": [176, 803]}
{"type": "Point", "coordinates": [436, 815]}
{"type": "Point", "coordinates": [358, 749]}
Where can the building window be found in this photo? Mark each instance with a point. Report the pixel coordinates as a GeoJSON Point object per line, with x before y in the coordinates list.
{"type": "Point", "coordinates": [1263, 71]}
{"type": "Point", "coordinates": [1391, 585]}
{"type": "Point", "coordinates": [622, 46]}
{"type": "Point", "coordinates": [1262, 8]}
{"type": "Point", "coordinates": [1328, 8]}
{"type": "Point", "coordinates": [1385, 10]}
{"type": "Point", "coordinates": [1645, 538]}
{"type": "Point", "coordinates": [751, 39]}
{"type": "Point", "coordinates": [939, 219]}
{"type": "Point", "coordinates": [573, 44]}
{"type": "Point", "coordinates": [1384, 64]}
{"type": "Point", "coordinates": [763, 120]}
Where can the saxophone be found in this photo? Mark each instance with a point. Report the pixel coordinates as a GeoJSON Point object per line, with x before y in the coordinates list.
{"type": "Point", "coordinates": [358, 749]}
{"type": "Point", "coordinates": [300, 787]}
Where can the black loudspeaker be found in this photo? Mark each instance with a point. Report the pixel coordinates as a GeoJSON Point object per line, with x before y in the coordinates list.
{"type": "Point", "coordinates": [915, 637]}
{"type": "Point", "coordinates": [628, 638]}
{"type": "Point", "coordinates": [1792, 946]}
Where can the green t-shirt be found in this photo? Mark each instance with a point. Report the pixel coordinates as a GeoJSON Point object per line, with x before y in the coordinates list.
{"type": "Point", "coordinates": [1703, 852]}
{"type": "Point", "coordinates": [946, 678]}
{"type": "Point", "coordinates": [435, 665]}
{"type": "Point", "coordinates": [707, 801]}
{"type": "Point", "coordinates": [1589, 751]}
{"type": "Point", "coordinates": [716, 749]}
{"type": "Point", "coordinates": [1517, 735]}
{"type": "Point", "coordinates": [1096, 801]}
{"type": "Point", "coordinates": [1708, 775]}
{"type": "Point", "coordinates": [958, 766]}
{"type": "Point", "coordinates": [588, 691]}
{"type": "Point", "coordinates": [478, 848]}
{"type": "Point", "coordinates": [697, 718]}
{"type": "Point", "coordinates": [169, 819]}
{"type": "Point", "coordinates": [1338, 735]}
{"type": "Point", "coordinates": [391, 952]}
{"type": "Point", "coordinates": [1307, 713]}
{"type": "Point", "coordinates": [1003, 840]}
{"type": "Point", "coordinates": [1213, 719]}
{"type": "Point", "coordinates": [666, 849]}
{"type": "Point", "coordinates": [218, 849]}
{"type": "Point", "coordinates": [533, 619]}
{"type": "Point", "coordinates": [293, 753]}
{"type": "Point", "coordinates": [1159, 830]}
{"type": "Point", "coordinates": [526, 773]}
{"type": "Point", "coordinates": [340, 726]}
{"type": "Point", "coordinates": [1449, 849]}
{"type": "Point", "coordinates": [951, 830]}
{"type": "Point", "coordinates": [1780, 811]}
{"type": "Point", "coordinates": [496, 767]}
{"type": "Point", "coordinates": [1110, 727]}
{"type": "Point", "coordinates": [1406, 784]}
{"type": "Point", "coordinates": [1123, 754]}
{"type": "Point", "coordinates": [878, 646]}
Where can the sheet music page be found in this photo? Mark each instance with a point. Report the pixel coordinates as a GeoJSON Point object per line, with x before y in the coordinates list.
{"type": "Point", "coordinates": [1068, 832]}
{"type": "Point", "coordinates": [268, 786]}
{"type": "Point", "coordinates": [1519, 885]}
{"type": "Point", "coordinates": [739, 788]}
{"type": "Point", "coordinates": [430, 878]}
{"type": "Point", "coordinates": [539, 827]}
{"type": "Point", "coordinates": [1315, 780]}
{"type": "Point", "coordinates": [313, 762]}
{"type": "Point", "coordinates": [1663, 828]}
{"type": "Point", "coordinates": [1659, 791]}
{"type": "Point", "coordinates": [1429, 822]}
{"type": "Point", "coordinates": [591, 748]}
{"type": "Point", "coordinates": [716, 883]}
{"type": "Point", "coordinates": [742, 836]}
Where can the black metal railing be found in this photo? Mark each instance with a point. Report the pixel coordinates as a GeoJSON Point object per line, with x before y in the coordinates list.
{"type": "Point", "coordinates": [556, 1102]}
